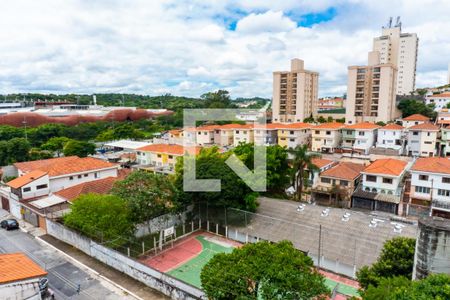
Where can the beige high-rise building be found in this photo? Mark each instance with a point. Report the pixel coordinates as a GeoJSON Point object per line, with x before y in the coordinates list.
{"type": "Point", "coordinates": [295, 93]}
{"type": "Point", "coordinates": [400, 50]}
{"type": "Point", "coordinates": [371, 93]}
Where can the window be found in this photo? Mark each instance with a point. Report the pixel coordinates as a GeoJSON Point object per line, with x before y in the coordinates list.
{"type": "Point", "coordinates": [205, 133]}
{"type": "Point", "coordinates": [428, 143]}
{"type": "Point", "coordinates": [292, 140]}
{"type": "Point", "coordinates": [325, 180]}
{"type": "Point", "coordinates": [422, 189]}
{"type": "Point", "coordinates": [344, 183]}
{"type": "Point", "coordinates": [79, 176]}
{"type": "Point", "coordinates": [27, 189]}
{"type": "Point", "coordinates": [371, 178]}
{"type": "Point", "coordinates": [71, 178]}
{"type": "Point", "coordinates": [445, 179]}
{"type": "Point", "coordinates": [86, 175]}
{"type": "Point", "coordinates": [361, 133]}
{"type": "Point", "coordinates": [387, 180]}
{"type": "Point", "coordinates": [423, 177]}
{"type": "Point", "coordinates": [96, 175]}
{"type": "Point", "coordinates": [237, 131]}
{"type": "Point", "coordinates": [159, 155]}
{"type": "Point", "coordinates": [317, 132]}
{"type": "Point", "coordinates": [328, 132]}
{"type": "Point", "coordinates": [349, 132]}
{"type": "Point", "coordinates": [170, 156]}
{"type": "Point", "coordinates": [41, 186]}
{"type": "Point", "coordinates": [291, 132]}
{"type": "Point", "coordinates": [415, 133]}
{"type": "Point", "coordinates": [445, 193]}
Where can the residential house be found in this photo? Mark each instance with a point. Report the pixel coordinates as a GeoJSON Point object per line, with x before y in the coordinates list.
{"type": "Point", "coordinates": [294, 134]}
{"type": "Point", "coordinates": [326, 137]}
{"type": "Point", "coordinates": [161, 158]}
{"type": "Point", "coordinates": [242, 134]}
{"type": "Point", "coordinates": [443, 120]}
{"type": "Point", "coordinates": [392, 136]}
{"type": "Point", "coordinates": [337, 183]}
{"type": "Point", "coordinates": [175, 136]}
{"type": "Point", "coordinates": [359, 137]}
{"type": "Point", "coordinates": [226, 135]}
{"type": "Point", "coordinates": [440, 100]}
{"type": "Point", "coordinates": [20, 277]}
{"type": "Point", "coordinates": [430, 187]}
{"type": "Point", "coordinates": [382, 186]}
{"type": "Point", "coordinates": [413, 120]}
{"type": "Point", "coordinates": [322, 164]}
{"type": "Point", "coordinates": [39, 179]}
{"type": "Point", "coordinates": [266, 134]}
{"type": "Point", "coordinates": [422, 140]}
{"type": "Point", "coordinates": [206, 135]}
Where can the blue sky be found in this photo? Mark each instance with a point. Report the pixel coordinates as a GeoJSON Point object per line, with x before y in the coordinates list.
{"type": "Point", "coordinates": [191, 47]}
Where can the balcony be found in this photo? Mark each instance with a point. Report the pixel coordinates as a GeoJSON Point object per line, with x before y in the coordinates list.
{"type": "Point", "coordinates": [441, 204]}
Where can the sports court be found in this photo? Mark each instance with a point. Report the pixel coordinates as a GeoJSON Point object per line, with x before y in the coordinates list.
{"type": "Point", "coordinates": [188, 255]}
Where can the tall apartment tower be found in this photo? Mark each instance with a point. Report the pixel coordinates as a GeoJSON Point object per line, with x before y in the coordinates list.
{"type": "Point", "coordinates": [295, 93]}
{"type": "Point", "coordinates": [399, 49]}
{"type": "Point", "coordinates": [371, 95]}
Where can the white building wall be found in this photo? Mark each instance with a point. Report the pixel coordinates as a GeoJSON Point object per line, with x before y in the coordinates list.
{"type": "Point", "coordinates": [439, 102]}
{"type": "Point", "coordinates": [387, 138]}
{"type": "Point", "coordinates": [434, 182]}
{"type": "Point", "coordinates": [378, 185]}
{"type": "Point", "coordinates": [23, 289]}
{"type": "Point", "coordinates": [59, 183]}
{"type": "Point", "coordinates": [365, 141]}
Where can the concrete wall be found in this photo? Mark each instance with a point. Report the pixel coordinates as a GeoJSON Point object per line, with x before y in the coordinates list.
{"type": "Point", "coordinates": [432, 254]}
{"type": "Point", "coordinates": [18, 290]}
{"type": "Point", "coordinates": [159, 281]}
{"type": "Point", "coordinates": [162, 222]}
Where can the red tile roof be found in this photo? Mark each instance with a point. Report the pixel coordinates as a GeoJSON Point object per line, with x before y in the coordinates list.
{"type": "Point", "coordinates": [344, 170]}
{"type": "Point", "coordinates": [441, 95]}
{"type": "Point", "coordinates": [425, 126]}
{"type": "Point", "coordinates": [321, 162]}
{"type": "Point", "coordinates": [294, 126]}
{"type": "Point", "coordinates": [416, 117]}
{"type": "Point", "coordinates": [17, 267]}
{"type": "Point", "coordinates": [100, 186]}
{"type": "Point", "coordinates": [363, 126]}
{"type": "Point", "coordinates": [170, 149]}
{"type": "Point", "coordinates": [333, 125]}
{"type": "Point", "coordinates": [389, 166]}
{"type": "Point", "coordinates": [392, 126]}
{"type": "Point", "coordinates": [26, 179]}
{"type": "Point", "coordinates": [64, 165]}
{"type": "Point", "coordinates": [432, 165]}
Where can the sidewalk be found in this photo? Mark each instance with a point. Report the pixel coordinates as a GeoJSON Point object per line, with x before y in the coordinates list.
{"type": "Point", "coordinates": [115, 276]}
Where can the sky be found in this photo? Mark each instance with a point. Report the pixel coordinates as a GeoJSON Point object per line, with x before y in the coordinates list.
{"type": "Point", "coordinates": [191, 47]}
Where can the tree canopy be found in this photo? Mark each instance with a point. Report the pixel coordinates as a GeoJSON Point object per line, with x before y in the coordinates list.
{"type": "Point", "coordinates": [396, 259]}
{"type": "Point", "coordinates": [262, 271]}
{"type": "Point", "coordinates": [78, 148]}
{"type": "Point", "coordinates": [411, 106]}
{"type": "Point", "coordinates": [148, 195]}
{"type": "Point", "coordinates": [104, 217]}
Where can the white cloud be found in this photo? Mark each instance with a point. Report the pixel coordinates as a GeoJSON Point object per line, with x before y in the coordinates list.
{"type": "Point", "coordinates": [188, 48]}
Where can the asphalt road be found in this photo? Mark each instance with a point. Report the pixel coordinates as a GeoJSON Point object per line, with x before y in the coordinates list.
{"type": "Point", "coordinates": [64, 276]}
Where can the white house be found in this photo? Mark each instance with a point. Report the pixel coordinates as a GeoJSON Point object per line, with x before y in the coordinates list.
{"type": "Point", "coordinates": [266, 134]}
{"type": "Point", "coordinates": [430, 186]}
{"type": "Point", "coordinates": [439, 100]}
{"type": "Point", "coordinates": [326, 137]}
{"type": "Point", "coordinates": [363, 136]}
{"type": "Point", "coordinates": [422, 140]}
{"type": "Point", "coordinates": [381, 187]}
{"type": "Point", "coordinates": [243, 134]}
{"type": "Point", "coordinates": [391, 136]}
{"type": "Point", "coordinates": [413, 120]}
{"type": "Point", "coordinates": [37, 179]}
{"type": "Point", "coordinates": [294, 134]}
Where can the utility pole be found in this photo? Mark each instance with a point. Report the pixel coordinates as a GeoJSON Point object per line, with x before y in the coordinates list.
{"type": "Point", "coordinates": [25, 125]}
{"type": "Point", "coordinates": [320, 242]}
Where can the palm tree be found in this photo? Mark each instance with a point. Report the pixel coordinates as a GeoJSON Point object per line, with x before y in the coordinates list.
{"type": "Point", "coordinates": [302, 161]}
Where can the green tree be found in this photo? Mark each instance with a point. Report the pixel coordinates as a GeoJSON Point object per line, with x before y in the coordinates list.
{"type": "Point", "coordinates": [44, 132]}
{"type": "Point", "coordinates": [302, 161]}
{"type": "Point", "coordinates": [148, 195]}
{"type": "Point", "coordinates": [103, 217]}
{"type": "Point", "coordinates": [448, 105]}
{"type": "Point", "coordinates": [4, 155]}
{"type": "Point", "coordinates": [55, 144]}
{"type": "Point", "coordinates": [36, 154]}
{"type": "Point", "coordinates": [18, 150]}
{"type": "Point", "coordinates": [218, 99]}
{"type": "Point", "coordinates": [8, 132]}
{"type": "Point", "coordinates": [412, 106]}
{"type": "Point", "coordinates": [78, 148]}
{"type": "Point", "coordinates": [263, 271]}
{"type": "Point", "coordinates": [396, 259]}
{"type": "Point", "coordinates": [381, 123]}
{"type": "Point", "coordinates": [436, 286]}
{"type": "Point", "coordinates": [321, 119]}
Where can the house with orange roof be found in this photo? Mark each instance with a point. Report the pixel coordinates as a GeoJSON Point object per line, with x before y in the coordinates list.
{"type": "Point", "coordinates": [266, 134]}
{"type": "Point", "coordinates": [294, 134]}
{"type": "Point", "coordinates": [19, 277]}
{"type": "Point", "coordinates": [392, 136]}
{"type": "Point", "coordinates": [322, 164]}
{"type": "Point", "coordinates": [381, 188]}
{"type": "Point", "coordinates": [38, 179]}
{"type": "Point", "coordinates": [326, 137]}
{"type": "Point", "coordinates": [421, 140]}
{"type": "Point", "coordinates": [413, 120]}
{"type": "Point", "coordinates": [175, 136]}
{"type": "Point", "coordinates": [359, 137]}
{"type": "Point", "coordinates": [161, 158]}
{"type": "Point", "coordinates": [440, 100]}
{"type": "Point", "coordinates": [243, 134]}
{"type": "Point", "coordinates": [336, 184]}
{"type": "Point", "coordinates": [430, 187]}
{"type": "Point", "coordinates": [443, 120]}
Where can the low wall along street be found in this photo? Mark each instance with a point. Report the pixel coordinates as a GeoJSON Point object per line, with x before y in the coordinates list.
{"type": "Point", "coordinates": [166, 284]}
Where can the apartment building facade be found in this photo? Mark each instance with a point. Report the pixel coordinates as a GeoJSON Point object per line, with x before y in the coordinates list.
{"type": "Point", "coordinates": [326, 137]}
{"type": "Point", "coordinates": [400, 50]}
{"type": "Point", "coordinates": [371, 93]}
{"type": "Point", "coordinates": [295, 93]}
{"type": "Point", "coordinates": [422, 140]}
{"type": "Point", "coordinates": [430, 187]}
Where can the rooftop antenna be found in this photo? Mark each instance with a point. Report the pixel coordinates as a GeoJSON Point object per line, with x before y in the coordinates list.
{"type": "Point", "coordinates": [390, 23]}
{"type": "Point", "coordinates": [398, 23]}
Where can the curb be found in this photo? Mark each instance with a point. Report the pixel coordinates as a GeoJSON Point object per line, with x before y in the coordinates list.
{"type": "Point", "coordinates": [89, 268]}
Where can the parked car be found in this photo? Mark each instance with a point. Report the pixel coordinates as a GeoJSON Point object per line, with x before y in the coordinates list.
{"type": "Point", "coordinates": [9, 224]}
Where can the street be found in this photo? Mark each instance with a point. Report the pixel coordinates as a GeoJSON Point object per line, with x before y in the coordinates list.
{"type": "Point", "coordinates": [65, 277]}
